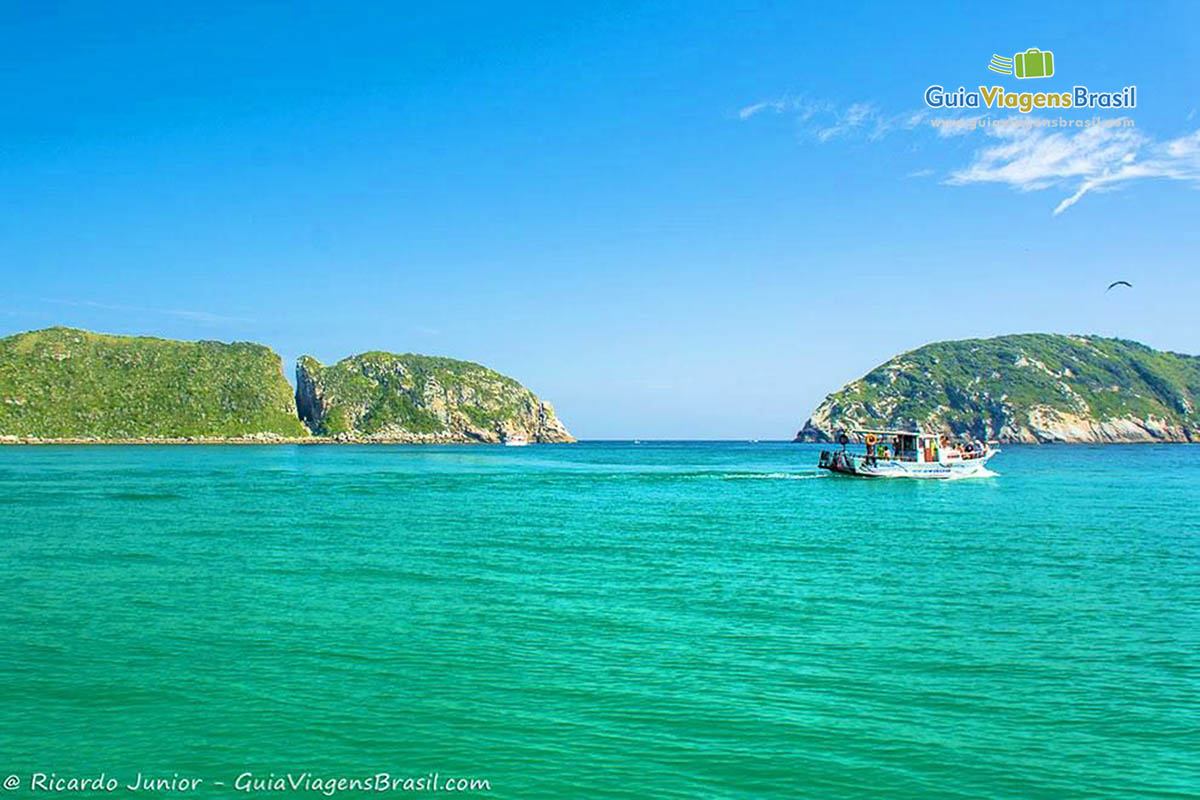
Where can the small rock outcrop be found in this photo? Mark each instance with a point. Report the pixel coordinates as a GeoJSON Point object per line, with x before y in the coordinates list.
{"type": "Point", "coordinates": [381, 396]}
{"type": "Point", "coordinates": [1024, 388]}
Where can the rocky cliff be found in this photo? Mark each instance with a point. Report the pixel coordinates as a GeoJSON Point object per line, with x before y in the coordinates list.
{"type": "Point", "coordinates": [63, 383]}
{"type": "Point", "coordinates": [1024, 388]}
{"type": "Point", "coordinates": [416, 398]}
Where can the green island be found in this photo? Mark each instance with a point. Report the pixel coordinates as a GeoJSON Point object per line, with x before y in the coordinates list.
{"type": "Point", "coordinates": [1024, 388]}
{"type": "Point", "coordinates": [63, 385]}
{"type": "Point", "coordinates": [411, 397]}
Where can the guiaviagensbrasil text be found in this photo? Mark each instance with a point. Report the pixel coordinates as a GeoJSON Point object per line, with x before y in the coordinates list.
{"type": "Point", "coordinates": [996, 97]}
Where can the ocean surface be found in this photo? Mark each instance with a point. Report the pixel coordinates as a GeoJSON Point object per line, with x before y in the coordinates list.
{"type": "Point", "coordinates": [601, 620]}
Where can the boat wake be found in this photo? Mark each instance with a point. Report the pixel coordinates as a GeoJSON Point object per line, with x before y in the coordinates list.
{"type": "Point", "coordinates": [773, 476]}
{"type": "Point", "coordinates": [982, 472]}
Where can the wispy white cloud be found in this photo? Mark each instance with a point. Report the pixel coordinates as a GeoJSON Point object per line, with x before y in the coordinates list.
{"type": "Point", "coordinates": [801, 108]}
{"type": "Point", "coordinates": [754, 108]}
{"type": "Point", "coordinates": [825, 121]}
{"type": "Point", "coordinates": [780, 105]}
{"type": "Point", "coordinates": [205, 317]}
{"type": "Point", "coordinates": [749, 111]}
{"type": "Point", "coordinates": [1026, 157]}
{"type": "Point", "coordinates": [850, 121]}
{"type": "Point", "coordinates": [1038, 158]}
{"type": "Point", "coordinates": [1098, 158]}
{"type": "Point", "coordinates": [21, 312]}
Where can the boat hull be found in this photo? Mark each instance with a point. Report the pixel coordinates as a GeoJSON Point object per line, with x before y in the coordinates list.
{"type": "Point", "coordinates": [861, 466]}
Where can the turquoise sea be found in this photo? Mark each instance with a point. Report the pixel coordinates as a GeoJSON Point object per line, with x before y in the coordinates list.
{"type": "Point", "coordinates": [602, 620]}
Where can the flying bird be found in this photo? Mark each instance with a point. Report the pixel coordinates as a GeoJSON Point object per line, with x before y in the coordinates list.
{"type": "Point", "coordinates": [1119, 283]}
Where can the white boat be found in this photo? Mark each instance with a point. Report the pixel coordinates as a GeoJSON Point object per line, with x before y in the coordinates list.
{"type": "Point", "coordinates": [909, 454]}
{"type": "Point", "coordinates": [516, 440]}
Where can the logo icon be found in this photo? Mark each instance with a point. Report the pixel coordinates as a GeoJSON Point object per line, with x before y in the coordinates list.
{"type": "Point", "coordinates": [1033, 63]}
{"type": "Point", "coordinates": [1001, 64]}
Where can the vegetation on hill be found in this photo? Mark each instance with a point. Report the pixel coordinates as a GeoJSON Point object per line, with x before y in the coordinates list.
{"type": "Point", "coordinates": [1026, 387]}
{"type": "Point", "coordinates": [66, 383]}
{"type": "Point", "coordinates": [420, 398]}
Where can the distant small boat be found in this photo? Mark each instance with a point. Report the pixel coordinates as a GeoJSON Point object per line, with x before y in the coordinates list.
{"type": "Point", "coordinates": [517, 440]}
{"type": "Point", "coordinates": [909, 454]}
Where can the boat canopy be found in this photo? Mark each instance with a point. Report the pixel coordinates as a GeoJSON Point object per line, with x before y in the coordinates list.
{"type": "Point", "coordinates": [884, 432]}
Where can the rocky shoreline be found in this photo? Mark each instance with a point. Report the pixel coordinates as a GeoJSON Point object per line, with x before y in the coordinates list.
{"type": "Point", "coordinates": [1043, 426]}
{"type": "Point", "coordinates": [267, 438]}
{"type": "Point", "coordinates": [253, 439]}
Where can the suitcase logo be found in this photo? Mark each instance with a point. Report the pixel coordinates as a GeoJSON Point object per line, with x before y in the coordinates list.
{"type": "Point", "coordinates": [1033, 63]}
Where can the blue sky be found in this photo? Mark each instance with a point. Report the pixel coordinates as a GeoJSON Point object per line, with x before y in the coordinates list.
{"type": "Point", "coordinates": [679, 220]}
